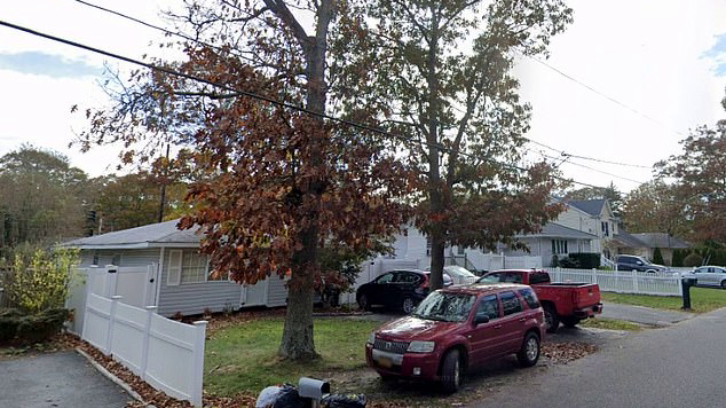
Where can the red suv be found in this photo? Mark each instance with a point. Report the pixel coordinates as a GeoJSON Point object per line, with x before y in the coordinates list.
{"type": "Point", "coordinates": [457, 328]}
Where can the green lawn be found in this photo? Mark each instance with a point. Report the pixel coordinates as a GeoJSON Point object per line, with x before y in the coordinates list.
{"type": "Point", "coordinates": [243, 357]}
{"type": "Point", "coordinates": [702, 300]}
{"type": "Point", "coordinates": [610, 324]}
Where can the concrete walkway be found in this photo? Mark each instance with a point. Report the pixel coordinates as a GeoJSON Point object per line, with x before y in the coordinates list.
{"type": "Point", "coordinates": [643, 315]}
{"type": "Point", "coordinates": [59, 380]}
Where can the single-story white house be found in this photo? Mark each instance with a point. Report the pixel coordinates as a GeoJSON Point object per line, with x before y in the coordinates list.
{"type": "Point", "coordinates": [180, 280]}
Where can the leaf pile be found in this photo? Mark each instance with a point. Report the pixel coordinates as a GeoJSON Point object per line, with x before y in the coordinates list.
{"type": "Point", "coordinates": [565, 352]}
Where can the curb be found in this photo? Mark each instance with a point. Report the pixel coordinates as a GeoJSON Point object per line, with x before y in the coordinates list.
{"type": "Point", "coordinates": [101, 369]}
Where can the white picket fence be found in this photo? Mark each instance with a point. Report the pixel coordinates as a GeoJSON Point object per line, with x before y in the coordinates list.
{"type": "Point", "coordinates": [621, 281]}
{"type": "Point", "coordinates": [169, 355]}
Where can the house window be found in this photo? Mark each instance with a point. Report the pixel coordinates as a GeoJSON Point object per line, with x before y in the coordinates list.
{"type": "Point", "coordinates": [213, 275]}
{"type": "Point", "coordinates": [95, 258]}
{"type": "Point", "coordinates": [194, 267]}
{"type": "Point", "coordinates": [559, 246]}
{"type": "Point", "coordinates": [605, 226]}
{"type": "Point", "coordinates": [460, 250]}
{"type": "Point", "coordinates": [116, 260]}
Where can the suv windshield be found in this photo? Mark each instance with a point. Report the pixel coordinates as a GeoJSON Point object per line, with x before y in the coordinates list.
{"type": "Point", "coordinates": [445, 306]}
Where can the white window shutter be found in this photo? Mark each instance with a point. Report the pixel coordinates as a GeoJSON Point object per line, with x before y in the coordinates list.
{"type": "Point", "coordinates": [175, 268]}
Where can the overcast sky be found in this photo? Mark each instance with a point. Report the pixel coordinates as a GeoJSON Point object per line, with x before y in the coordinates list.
{"type": "Point", "coordinates": [664, 65]}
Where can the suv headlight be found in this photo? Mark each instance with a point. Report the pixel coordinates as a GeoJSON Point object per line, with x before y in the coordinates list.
{"type": "Point", "coordinates": [421, 347]}
{"type": "Point", "coordinates": [371, 338]}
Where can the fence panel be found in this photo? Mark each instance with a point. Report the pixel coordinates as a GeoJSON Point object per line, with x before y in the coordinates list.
{"type": "Point", "coordinates": [622, 282]}
{"type": "Point", "coordinates": [169, 355]}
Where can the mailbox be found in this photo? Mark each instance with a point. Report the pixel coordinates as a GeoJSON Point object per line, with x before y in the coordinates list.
{"type": "Point", "coordinates": [313, 388]}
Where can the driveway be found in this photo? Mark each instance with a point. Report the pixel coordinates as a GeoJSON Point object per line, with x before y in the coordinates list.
{"type": "Point", "coordinates": [681, 366]}
{"type": "Point", "coordinates": [643, 315]}
{"type": "Point", "coordinates": [59, 380]}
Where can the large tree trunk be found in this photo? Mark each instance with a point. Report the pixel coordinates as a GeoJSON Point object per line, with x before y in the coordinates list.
{"type": "Point", "coordinates": [436, 195]}
{"type": "Point", "coordinates": [297, 337]}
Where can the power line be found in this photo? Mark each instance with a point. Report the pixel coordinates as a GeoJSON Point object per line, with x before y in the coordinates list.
{"type": "Point", "coordinates": [564, 153]}
{"type": "Point", "coordinates": [565, 161]}
{"type": "Point", "coordinates": [601, 94]}
{"type": "Point", "coordinates": [263, 98]}
{"type": "Point", "coordinates": [189, 38]}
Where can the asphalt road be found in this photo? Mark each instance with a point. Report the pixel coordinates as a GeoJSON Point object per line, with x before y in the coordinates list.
{"type": "Point", "coordinates": [676, 367]}
{"type": "Point", "coordinates": [59, 380]}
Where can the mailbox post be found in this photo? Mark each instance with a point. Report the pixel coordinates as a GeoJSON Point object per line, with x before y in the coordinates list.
{"type": "Point", "coordinates": [686, 283]}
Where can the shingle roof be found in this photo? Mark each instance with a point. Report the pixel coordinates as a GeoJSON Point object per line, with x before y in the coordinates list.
{"type": "Point", "coordinates": [661, 240]}
{"type": "Point", "coordinates": [629, 240]}
{"type": "Point", "coordinates": [554, 230]}
{"type": "Point", "coordinates": [592, 207]}
{"type": "Point", "coordinates": [161, 233]}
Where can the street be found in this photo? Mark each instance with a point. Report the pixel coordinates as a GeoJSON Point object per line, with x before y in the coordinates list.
{"type": "Point", "coordinates": [680, 366]}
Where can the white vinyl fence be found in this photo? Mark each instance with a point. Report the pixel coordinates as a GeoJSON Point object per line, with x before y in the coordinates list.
{"type": "Point", "coordinates": [621, 281]}
{"type": "Point", "coordinates": [169, 355]}
{"type": "Point", "coordinates": [491, 261]}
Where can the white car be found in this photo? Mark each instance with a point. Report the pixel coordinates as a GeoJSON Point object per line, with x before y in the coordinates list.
{"type": "Point", "coordinates": [708, 276]}
{"type": "Point", "coordinates": [460, 275]}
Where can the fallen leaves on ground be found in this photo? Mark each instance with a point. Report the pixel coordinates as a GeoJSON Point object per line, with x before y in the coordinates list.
{"type": "Point", "coordinates": [566, 352]}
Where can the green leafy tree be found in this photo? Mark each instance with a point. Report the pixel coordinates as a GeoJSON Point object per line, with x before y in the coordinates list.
{"type": "Point", "coordinates": [42, 198]}
{"type": "Point", "coordinates": [656, 207]}
{"type": "Point", "coordinates": [440, 72]}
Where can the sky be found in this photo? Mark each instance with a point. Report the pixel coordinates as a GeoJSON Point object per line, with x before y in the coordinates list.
{"type": "Point", "coordinates": [624, 83]}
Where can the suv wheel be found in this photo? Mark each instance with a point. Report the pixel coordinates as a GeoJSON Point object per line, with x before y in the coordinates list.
{"type": "Point", "coordinates": [408, 305]}
{"type": "Point", "coordinates": [723, 284]}
{"type": "Point", "coordinates": [363, 302]}
{"type": "Point", "coordinates": [529, 353]}
{"type": "Point", "coordinates": [451, 372]}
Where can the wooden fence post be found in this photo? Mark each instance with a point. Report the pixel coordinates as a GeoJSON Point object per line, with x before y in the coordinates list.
{"type": "Point", "coordinates": [111, 323]}
{"type": "Point", "coordinates": [198, 366]}
{"type": "Point", "coordinates": [150, 311]}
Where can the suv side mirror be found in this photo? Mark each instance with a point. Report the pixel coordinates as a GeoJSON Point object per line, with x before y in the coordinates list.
{"type": "Point", "coordinates": [481, 319]}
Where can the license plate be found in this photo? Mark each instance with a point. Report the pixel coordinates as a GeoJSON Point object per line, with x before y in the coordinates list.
{"type": "Point", "coordinates": [385, 362]}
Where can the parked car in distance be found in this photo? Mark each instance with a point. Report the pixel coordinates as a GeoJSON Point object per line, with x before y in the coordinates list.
{"type": "Point", "coordinates": [397, 290]}
{"type": "Point", "coordinates": [708, 276]}
{"type": "Point", "coordinates": [456, 329]}
{"type": "Point", "coordinates": [639, 264]}
{"type": "Point", "coordinates": [459, 275]}
{"type": "Point", "coordinates": [569, 303]}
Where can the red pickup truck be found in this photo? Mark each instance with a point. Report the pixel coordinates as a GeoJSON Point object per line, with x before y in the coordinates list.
{"type": "Point", "coordinates": [568, 303]}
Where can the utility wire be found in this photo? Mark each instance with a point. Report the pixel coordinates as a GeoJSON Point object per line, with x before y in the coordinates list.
{"type": "Point", "coordinates": [189, 38]}
{"type": "Point", "coordinates": [566, 161]}
{"type": "Point", "coordinates": [564, 153]}
{"type": "Point", "coordinates": [252, 95]}
{"type": "Point", "coordinates": [601, 94]}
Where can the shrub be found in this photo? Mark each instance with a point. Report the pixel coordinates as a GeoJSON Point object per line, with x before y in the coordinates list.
{"type": "Point", "coordinates": [678, 256]}
{"type": "Point", "coordinates": [657, 257]}
{"type": "Point", "coordinates": [40, 279]}
{"type": "Point", "coordinates": [693, 259]}
{"type": "Point", "coordinates": [586, 260]}
{"type": "Point", "coordinates": [555, 261]}
{"type": "Point", "coordinates": [16, 328]}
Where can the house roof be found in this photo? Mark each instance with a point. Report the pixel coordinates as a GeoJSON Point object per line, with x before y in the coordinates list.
{"type": "Point", "coordinates": [628, 240]}
{"type": "Point", "coordinates": [554, 230]}
{"type": "Point", "coordinates": [147, 236]}
{"type": "Point", "coordinates": [592, 207]}
{"type": "Point", "coordinates": [661, 240]}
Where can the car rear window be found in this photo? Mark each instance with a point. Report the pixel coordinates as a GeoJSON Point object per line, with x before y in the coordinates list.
{"type": "Point", "coordinates": [529, 297]}
{"type": "Point", "coordinates": [510, 303]}
{"type": "Point", "coordinates": [539, 277]}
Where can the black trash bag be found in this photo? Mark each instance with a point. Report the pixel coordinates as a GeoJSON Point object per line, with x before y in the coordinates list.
{"type": "Point", "coordinates": [344, 401]}
{"type": "Point", "coordinates": [288, 397]}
